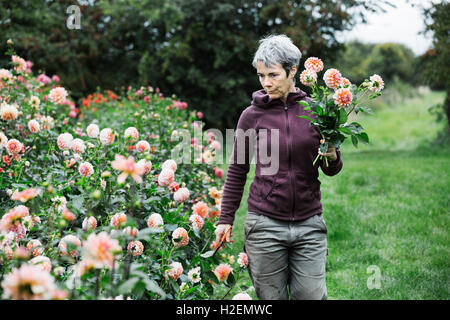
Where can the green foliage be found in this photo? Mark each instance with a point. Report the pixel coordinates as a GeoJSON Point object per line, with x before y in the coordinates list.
{"type": "Point", "coordinates": [200, 50]}
{"type": "Point", "coordinates": [435, 62]}
{"type": "Point", "coordinates": [389, 60]}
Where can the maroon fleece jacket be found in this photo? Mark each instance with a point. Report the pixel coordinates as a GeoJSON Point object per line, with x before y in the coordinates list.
{"type": "Point", "coordinates": [292, 192]}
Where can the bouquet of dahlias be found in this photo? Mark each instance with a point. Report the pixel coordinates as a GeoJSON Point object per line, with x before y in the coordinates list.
{"type": "Point", "coordinates": [332, 104]}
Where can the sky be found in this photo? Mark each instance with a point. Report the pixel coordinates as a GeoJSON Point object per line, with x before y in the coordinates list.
{"type": "Point", "coordinates": [399, 25]}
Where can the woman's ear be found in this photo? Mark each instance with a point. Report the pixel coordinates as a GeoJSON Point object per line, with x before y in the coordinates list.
{"type": "Point", "coordinates": [293, 71]}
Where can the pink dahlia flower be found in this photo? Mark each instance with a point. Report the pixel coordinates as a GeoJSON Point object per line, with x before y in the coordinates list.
{"type": "Point", "coordinates": [86, 169]}
{"type": "Point", "coordinates": [28, 282]}
{"type": "Point", "coordinates": [180, 237]}
{"type": "Point", "coordinates": [128, 168]}
{"type": "Point", "coordinates": [155, 221]}
{"type": "Point", "coordinates": [314, 64]}
{"type": "Point", "coordinates": [58, 95]}
{"type": "Point", "coordinates": [332, 78]}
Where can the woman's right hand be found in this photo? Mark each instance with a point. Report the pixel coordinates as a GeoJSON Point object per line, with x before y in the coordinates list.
{"type": "Point", "coordinates": [220, 231]}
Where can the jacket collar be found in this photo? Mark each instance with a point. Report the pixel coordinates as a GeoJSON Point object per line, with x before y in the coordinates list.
{"type": "Point", "coordinates": [261, 99]}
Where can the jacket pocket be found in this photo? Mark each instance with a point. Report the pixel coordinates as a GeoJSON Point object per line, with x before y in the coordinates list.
{"type": "Point", "coordinates": [280, 195]}
{"type": "Point", "coordinates": [306, 192]}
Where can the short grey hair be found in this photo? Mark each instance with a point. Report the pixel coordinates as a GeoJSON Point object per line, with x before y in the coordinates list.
{"type": "Point", "coordinates": [275, 49]}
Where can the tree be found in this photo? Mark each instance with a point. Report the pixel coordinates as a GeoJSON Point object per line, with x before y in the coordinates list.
{"type": "Point", "coordinates": [200, 50]}
{"type": "Point", "coordinates": [436, 61]}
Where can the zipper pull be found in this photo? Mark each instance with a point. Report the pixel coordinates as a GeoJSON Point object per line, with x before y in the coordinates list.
{"type": "Point", "coordinates": [285, 107]}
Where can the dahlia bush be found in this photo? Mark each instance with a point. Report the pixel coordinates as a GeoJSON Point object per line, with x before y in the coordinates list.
{"type": "Point", "coordinates": [94, 204]}
{"type": "Point", "coordinates": [331, 105]}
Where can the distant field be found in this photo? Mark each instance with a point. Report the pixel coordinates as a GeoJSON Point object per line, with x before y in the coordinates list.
{"type": "Point", "coordinates": [386, 211]}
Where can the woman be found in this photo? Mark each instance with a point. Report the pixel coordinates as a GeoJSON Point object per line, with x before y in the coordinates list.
{"type": "Point", "coordinates": [285, 233]}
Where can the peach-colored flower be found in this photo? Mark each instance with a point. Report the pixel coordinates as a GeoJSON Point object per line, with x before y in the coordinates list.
{"type": "Point", "coordinates": [47, 122]}
{"type": "Point", "coordinates": [308, 77]}
{"type": "Point", "coordinates": [345, 82]}
{"type": "Point", "coordinates": [242, 296]}
{"type": "Point", "coordinates": [12, 221]}
{"type": "Point", "coordinates": [196, 221]}
{"type": "Point", "coordinates": [180, 237]}
{"type": "Point", "coordinates": [200, 208]}
{"type": "Point", "coordinates": [78, 145]}
{"type": "Point", "coordinates": [376, 83]}
{"type": "Point", "coordinates": [64, 141]}
{"type": "Point", "coordinates": [243, 259]}
{"type": "Point", "coordinates": [131, 133]}
{"type": "Point", "coordinates": [20, 63]}
{"type": "Point", "coordinates": [86, 169]}
{"type": "Point", "coordinates": [84, 266]}
{"type": "Point", "coordinates": [92, 130]}
{"type": "Point", "coordinates": [67, 215]}
{"type": "Point", "coordinates": [102, 249]}
{"type": "Point", "coordinates": [25, 195]}
{"type": "Point", "coordinates": [58, 95]}
{"type": "Point", "coordinates": [222, 271]}
{"type": "Point", "coordinates": [60, 295]}
{"type": "Point", "coordinates": [42, 262]}
{"type": "Point", "coordinates": [169, 164]}
{"type": "Point", "coordinates": [314, 64]}
{"type": "Point", "coordinates": [35, 246]}
{"type": "Point", "coordinates": [128, 168]}
{"type": "Point", "coordinates": [147, 165]}
{"type": "Point", "coordinates": [118, 220]}
{"type": "Point", "coordinates": [174, 272]}
{"type": "Point", "coordinates": [215, 145]}
{"type": "Point", "coordinates": [181, 195]}
{"type": "Point", "coordinates": [165, 177]}
{"type": "Point", "coordinates": [8, 112]}
{"type": "Point", "coordinates": [131, 231]}
{"type": "Point", "coordinates": [155, 221]}
{"type": "Point", "coordinates": [214, 193]}
{"type": "Point", "coordinates": [332, 78]}
{"type": "Point", "coordinates": [34, 126]}
{"type": "Point", "coordinates": [74, 244]}
{"type": "Point", "coordinates": [135, 248]}
{"type": "Point", "coordinates": [3, 140]}
{"type": "Point", "coordinates": [28, 282]}
{"type": "Point", "coordinates": [89, 223]}
{"type": "Point", "coordinates": [142, 146]}
{"type": "Point", "coordinates": [107, 136]}
{"type": "Point", "coordinates": [343, 97]}
{"type": "Point", "coordinates": [5, 76]}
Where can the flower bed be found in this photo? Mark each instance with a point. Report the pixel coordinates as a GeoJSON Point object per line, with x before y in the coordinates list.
{"type": "Point", "coordinates": [93, 204]}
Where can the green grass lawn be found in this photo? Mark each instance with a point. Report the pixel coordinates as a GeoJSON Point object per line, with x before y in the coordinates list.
{"type": "Point", "coordinates": [387, 209]}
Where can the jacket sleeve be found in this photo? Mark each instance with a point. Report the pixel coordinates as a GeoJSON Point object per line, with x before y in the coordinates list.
{"type": "Point", "coordinates": [238, 168]}
{"type": "Point", "coordinates": [333, 166]}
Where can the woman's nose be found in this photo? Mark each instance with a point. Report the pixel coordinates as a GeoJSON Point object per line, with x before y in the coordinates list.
{"type": "Point", "coordinates": [266, 82]}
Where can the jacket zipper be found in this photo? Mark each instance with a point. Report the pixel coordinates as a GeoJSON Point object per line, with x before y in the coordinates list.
{"type": "Point", "coordinates": [289, 161]}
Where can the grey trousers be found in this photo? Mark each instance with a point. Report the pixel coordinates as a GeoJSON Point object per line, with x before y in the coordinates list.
{"type": "Point", "coordinates": [286, 259]}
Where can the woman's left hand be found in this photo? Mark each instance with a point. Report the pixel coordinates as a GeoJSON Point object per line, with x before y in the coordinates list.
{"type": "Point", "coordinates": [330, 154]}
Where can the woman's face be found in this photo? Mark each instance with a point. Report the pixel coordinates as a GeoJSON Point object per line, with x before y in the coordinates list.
{"type": "Point", "coordinates": [274, 80]}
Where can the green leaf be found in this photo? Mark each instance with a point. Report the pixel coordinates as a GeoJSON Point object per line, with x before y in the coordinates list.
{"type": "Point", "coordinates": [152, 286]}
{"type": "Point", "coordinates": [363, 137]}
{"type": "Point", "coordinates": [127, 286]}
{"type": "Point", "coordinates": [342, 116]}
{"type": "Point", "coordinates": [306, 117]}
{"type": "Point", "coordinates": [303, 103]}
{"type": "Point", "coordinates": [231, 280]}
{"type": "Point", "coordinates": [207, 254]}
{"type": "Point", "coordinates": [355, 141]}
